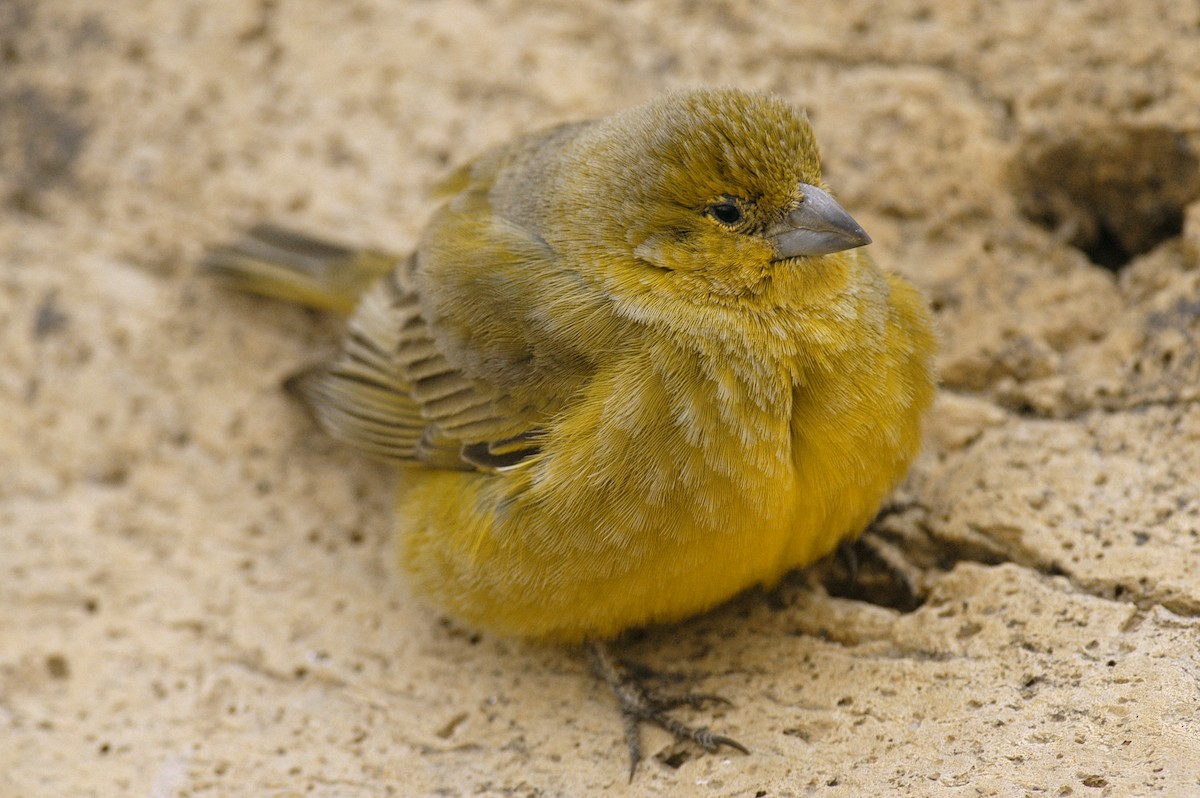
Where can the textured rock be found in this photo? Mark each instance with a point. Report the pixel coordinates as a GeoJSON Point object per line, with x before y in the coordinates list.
{"type": "Point", "coordinates": [197, 588]}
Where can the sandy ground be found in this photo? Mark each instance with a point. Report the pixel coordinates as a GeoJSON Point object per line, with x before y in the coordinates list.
{"type": "Point", "coordinates": [196, 593]}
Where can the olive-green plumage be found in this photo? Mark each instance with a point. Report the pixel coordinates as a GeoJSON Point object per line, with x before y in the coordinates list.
{"type": "Point", "coordinates": [634, 366]}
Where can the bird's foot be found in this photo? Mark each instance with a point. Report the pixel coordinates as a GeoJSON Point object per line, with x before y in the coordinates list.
{"type": "Point", "coordinates": [904, 576]}
{"type": "Point", "coordinates": [640, 705]}
{"type": "Point", "coordinates": [877, 567]}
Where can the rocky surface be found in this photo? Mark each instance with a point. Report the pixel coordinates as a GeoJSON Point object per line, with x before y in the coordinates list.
{"type": "Point", "coordinates": [197, 592]}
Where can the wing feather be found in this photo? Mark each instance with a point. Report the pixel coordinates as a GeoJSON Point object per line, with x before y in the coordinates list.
{"type": "Point", "coordinates": [392, 392]}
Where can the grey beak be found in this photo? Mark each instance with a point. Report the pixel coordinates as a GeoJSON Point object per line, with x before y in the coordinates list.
{"type": "Point", "coordinates": [818, 226]}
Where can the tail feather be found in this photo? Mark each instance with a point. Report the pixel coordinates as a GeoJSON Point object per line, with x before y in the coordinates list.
{"type": "Point", "coordinates": [294, 267]}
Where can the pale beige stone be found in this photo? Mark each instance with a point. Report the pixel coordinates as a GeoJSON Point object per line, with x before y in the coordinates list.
{"type": "Point", "coordinates": [196, 588]}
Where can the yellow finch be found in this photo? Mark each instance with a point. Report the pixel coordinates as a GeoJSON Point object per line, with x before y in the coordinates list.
{"type": "Point", "coordinates": [634, 366]}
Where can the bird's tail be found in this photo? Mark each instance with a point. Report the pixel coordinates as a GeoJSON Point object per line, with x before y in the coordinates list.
{"type": "Point", "coordinates": [294, 267]}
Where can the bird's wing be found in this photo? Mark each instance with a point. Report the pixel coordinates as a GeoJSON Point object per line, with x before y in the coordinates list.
{"type": "Point", "coordinates": [462, 355]}
{"type": "Point", "coordinates": [392, 392]}
{"type": "Point", "coordinates": [451, 360]}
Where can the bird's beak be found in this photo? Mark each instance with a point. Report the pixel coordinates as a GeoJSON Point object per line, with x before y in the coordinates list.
{"type": "Point", "coordinates": [818, 226]}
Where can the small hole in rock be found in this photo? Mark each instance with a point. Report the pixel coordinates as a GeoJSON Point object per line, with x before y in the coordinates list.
{"type": "Point", "coordinates": [675, 759]}
{"type": "Point", "coordinates": [1114, 193]}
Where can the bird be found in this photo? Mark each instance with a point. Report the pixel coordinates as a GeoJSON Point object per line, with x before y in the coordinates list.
{"type": "Point", "coordinates": [634, 366]}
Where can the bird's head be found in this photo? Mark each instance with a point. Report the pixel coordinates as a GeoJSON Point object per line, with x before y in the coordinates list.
{"type": "Point", "coordinates": [710, 191]}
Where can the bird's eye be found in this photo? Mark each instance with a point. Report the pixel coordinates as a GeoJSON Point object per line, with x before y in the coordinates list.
{"type": "Point", "coordinates": [726, 213]}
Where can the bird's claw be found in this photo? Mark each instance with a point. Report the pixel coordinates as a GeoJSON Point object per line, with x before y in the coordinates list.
{"type": "Point", "coordinates": [638, 705]}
